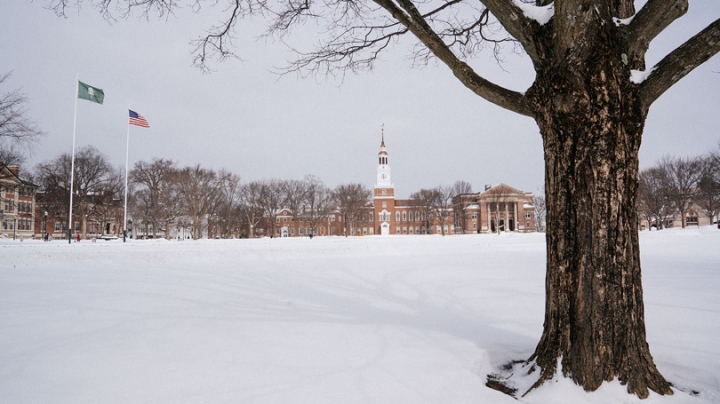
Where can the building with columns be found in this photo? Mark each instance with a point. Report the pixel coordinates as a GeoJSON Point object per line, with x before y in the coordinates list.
{"type": "Point", "coordinates": [497, 208]}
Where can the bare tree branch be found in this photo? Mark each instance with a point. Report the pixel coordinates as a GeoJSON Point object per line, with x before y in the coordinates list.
{"type": "Point", "coordinates": [680, 62]}
{"type": "Point", "coordinates": [411, 18]}
{"type": "Point", "coordinates": [218, 41]}
{"type": "Point", "coordinates": [515, 23]}
{"type": "Point", "coordinates": [648, 23]}
{"type": "Point", "coordinates": [17, 130]}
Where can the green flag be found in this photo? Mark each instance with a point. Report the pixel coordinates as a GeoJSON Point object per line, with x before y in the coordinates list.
{"type": "Point", "coordinates": [90, 93]}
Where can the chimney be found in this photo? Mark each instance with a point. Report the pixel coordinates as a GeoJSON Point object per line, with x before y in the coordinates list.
{"type": "Point", "coordinates": [15, 170]}
{"type": "Point", "coordinates": [488, 186]}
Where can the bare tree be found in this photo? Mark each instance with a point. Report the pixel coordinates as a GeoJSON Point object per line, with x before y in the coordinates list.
{"type": "Point", "coordinates": [154, 193]}
{"type": "Point", "coordinates": [271, 199]}
{"type": "Point", "coordinates": [225, 218]}
{"type": "Point", "coordinates": [319, 202]}
{"type": "Point", "coordinates": [294, 198]}
{"type": "Point", "coordinates": [95, 180]}
{"type": "Point", "coordinates": [17, 130]}
{"type": "Point", "coordinates": [251, 205]}
{"type": "Point", "coordinates": [540, 211]}
{"type": "Point", "coordinates": [591, 95]}
{"type": "Point", "coordinates": [681, 180]}
{"type": "Point", "coordinates": [198, 189]}
{"type": "Point", "coordinates": [460, 188]}
{"type": "Point", "coordinates": [351, 201]}
{"type": "Point", "coordinates": [105, 206]}
{"type": "Point", "coordinates": [423, 202]}
{"type": "Point", "coordinates": [442, 206]}
{"type": "Point", "coordinates": [708, 192]}
{"type": "Point", "coordinates": [11, 155]}
{"type": "Point", "coordinates": [653, 197]}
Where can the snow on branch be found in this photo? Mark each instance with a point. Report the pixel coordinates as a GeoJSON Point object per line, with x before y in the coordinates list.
{"type": "Point", "coordinates": [639, 76]}
{"type": "Point", "coordinates": [623, 21]}
{"type": "Point", "coordinates": [541, 14]}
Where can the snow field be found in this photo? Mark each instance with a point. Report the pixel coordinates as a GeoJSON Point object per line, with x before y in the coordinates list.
{"type": "Point", "coordinates": [399, 319]}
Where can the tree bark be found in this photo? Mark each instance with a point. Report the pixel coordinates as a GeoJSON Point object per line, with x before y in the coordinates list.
{"type": "Point", "coordinates": [591, 118]}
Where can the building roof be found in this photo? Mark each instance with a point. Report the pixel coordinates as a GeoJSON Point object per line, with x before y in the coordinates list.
{"type": "Point", "coordinates": [11, 173]}
{"type": "Point", "coordinates": [500, 189]}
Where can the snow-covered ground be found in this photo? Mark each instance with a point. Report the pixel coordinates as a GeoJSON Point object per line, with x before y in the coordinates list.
{"type": "Point", "coordinates": [394, 320]}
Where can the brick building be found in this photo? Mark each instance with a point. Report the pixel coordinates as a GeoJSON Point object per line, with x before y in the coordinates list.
{"type": "Point", "coordinates": [17, 204]}
{"type": "Point", "coordinates": [99, 215]}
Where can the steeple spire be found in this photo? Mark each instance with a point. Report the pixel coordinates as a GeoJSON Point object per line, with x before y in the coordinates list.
{"type": "Point", "coordinates": [383, 169]}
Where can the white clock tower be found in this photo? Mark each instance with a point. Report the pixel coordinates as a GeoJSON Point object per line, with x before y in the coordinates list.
{"type": "Point", "coordinates": [383, 168]}
{"type": "Point", "coordinates": [384, 194]}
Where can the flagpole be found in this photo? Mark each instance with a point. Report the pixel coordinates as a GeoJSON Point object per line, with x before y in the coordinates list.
{"type": "Point", "coordinates": [72, 161]}
{"type": "Point", "coordinates": [127, 154]}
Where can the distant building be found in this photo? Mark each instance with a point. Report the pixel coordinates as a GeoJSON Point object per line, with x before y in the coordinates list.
{"type": "Point", "coordinates": [288, 226]}
{"type": "Point", "coordinates": [694, 217]}
{"type": "Point", "coordinates": [102, 214]}
{"type": "Point", "coordinates": [17, 204]}
{"type": "Point", "coordinates": [499, 208]}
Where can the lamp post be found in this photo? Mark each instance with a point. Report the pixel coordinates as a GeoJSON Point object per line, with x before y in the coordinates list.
{"type": "Point", "coordinates": [44, 233]}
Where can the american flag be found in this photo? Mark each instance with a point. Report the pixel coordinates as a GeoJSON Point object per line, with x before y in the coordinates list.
{"type": "Point", "coordinates": [137, 119]}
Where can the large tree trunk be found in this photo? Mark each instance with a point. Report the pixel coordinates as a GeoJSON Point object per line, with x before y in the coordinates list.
{"type": "Point", "coordinates": [591, 121]}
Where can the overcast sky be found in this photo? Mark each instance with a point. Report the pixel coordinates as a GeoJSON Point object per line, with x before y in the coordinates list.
{"type": "Point", "coordinates": [244, 118]}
